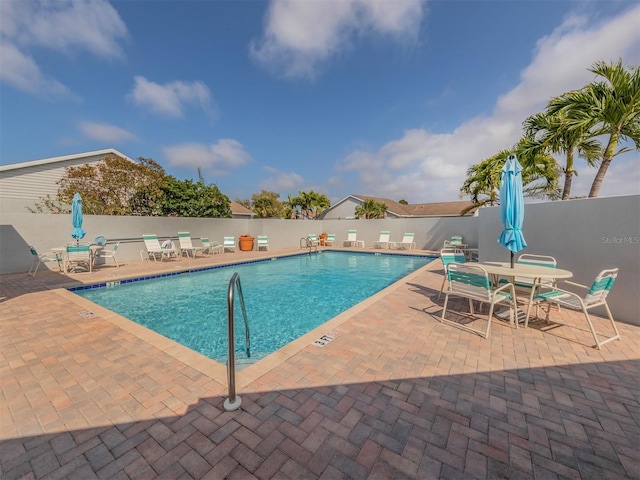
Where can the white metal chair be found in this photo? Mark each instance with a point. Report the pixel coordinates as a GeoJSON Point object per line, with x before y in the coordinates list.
{"type": "Point", "coordinates": [407, 242]}
{"type": "Point", "coordinates": [450, 255]}
{"type": "Point", "coordinates": [186, 245]}
{"type": "Point", "coordinates": [383, 240]}
{"type": "Point", "coordinates": [109, 253]}
{"type": "Point", "coordinates": [39, 258]}
{"type": "Point", "coordinates": [229, 243]}
{"type": "Point", "coordinates": [263, 242]}
{"type": "Point", "coordinates": [78, 257]}
{"type": "Point", "coordinates": [596, 296]}
{"type": "Point", "coordinates": [352, 239]}
{"type": "Point", "coordinates": [472, 282]}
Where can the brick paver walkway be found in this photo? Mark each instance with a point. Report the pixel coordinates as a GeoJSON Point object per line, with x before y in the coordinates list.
{"type": "Point", "coordinates": [397, 395]}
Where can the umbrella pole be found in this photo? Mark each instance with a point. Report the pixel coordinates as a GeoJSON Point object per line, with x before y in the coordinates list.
{"type": "Point", "coordinates": [512, 259]}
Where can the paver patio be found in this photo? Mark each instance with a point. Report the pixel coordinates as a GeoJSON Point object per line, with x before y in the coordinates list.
{"type": "Point", "coordinates": [88, 394]}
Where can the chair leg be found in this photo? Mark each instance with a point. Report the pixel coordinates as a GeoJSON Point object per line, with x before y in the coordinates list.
{"type": "Point", "coordinates": [442, 286]}
{"type": "Point", "coordinates": [444, 309]}
{"type": "Point", "coordinates": [593, 330]}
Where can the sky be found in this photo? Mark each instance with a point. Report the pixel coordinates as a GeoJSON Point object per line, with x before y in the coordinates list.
{"type": "Point", "coordinates": [387, 98]}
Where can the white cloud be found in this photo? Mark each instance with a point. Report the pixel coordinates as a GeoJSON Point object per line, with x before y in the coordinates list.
{"type": "Point", "coordinates": [170, 99]}
{"type": "Point", "coordinates": [65, 26]}
{"type": "Point", "coordinates": [300, 36]}
{"type": "Point", "coordinates": [282, 181]}
{"type": "Point", "coordinates": [423, 166]}
{"type": "Point", "coordinates": [21, 71]}
{"type": "Point", "coordinates": [105, 133]}
{"type": "Point", "coordinates": [227, 153]}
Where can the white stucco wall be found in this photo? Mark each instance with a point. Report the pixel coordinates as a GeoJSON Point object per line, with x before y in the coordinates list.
{"type": "Point", "coordinates": [585, 236]}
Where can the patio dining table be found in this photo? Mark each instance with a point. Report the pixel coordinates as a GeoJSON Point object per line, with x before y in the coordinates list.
{"type": "Point", "coordinates": [536, 272]}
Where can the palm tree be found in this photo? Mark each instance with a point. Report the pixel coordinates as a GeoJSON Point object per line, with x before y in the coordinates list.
{"type": "Point", "coordinates": [609, 107]}
{"type": "Point", "coordinates": [545, 132]}
{"type": "Point", "coordinates": [371, 209]}
{"type": "Point", "coordinates": [539, 176]}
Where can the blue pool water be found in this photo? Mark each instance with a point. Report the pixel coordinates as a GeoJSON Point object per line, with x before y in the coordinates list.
{"type": "Point", "coordinates": [285, 298]}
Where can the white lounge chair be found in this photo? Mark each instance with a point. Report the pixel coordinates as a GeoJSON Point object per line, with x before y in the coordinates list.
{"type": "Point", "coordinates": [472, 282]}
{"type": "Point", "coordinates": [263, 242]}
{"type": "Point", "coordinates": [330, 240]}
{"type": "Point", "coordinates": [352, 239]}
{"type": "Point", "coordinates": [39, 258]}
{"type": "Point", "coordinates": [229, 243]}
{"type": "Point", "coordinates": [595, 296]}
{"type": "Point", "coordinates": [455, 242]}
{"type": "Point", "coordinates": [186, 245]}
{"type": "Point", "coordinates": [153, 249]}
{"type": "Point", "coordinates": [210, 247]}
{"type": "Point", "coordinates": [383, 240]}
{"type": "Point", "coordinates": [407, 242]}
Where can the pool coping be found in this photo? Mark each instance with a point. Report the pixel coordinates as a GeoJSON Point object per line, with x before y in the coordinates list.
{"type": "Point", "coordinates": [212, 368]}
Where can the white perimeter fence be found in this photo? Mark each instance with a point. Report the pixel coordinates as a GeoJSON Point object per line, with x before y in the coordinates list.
{"type": "Point", "coordinates": [584, 235]}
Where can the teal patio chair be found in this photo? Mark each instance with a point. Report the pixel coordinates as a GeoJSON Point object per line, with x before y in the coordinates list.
{"type": "Point", "coordinates": [39, 258]}
{"type": "Point", "coordinates": [448, 256]}
{"type": "Point", "coordinates": [330, 240]}
{"type": "Point", "coordinates": [596, 296]}
{"type": "Point", "coordinates": [472, 282]}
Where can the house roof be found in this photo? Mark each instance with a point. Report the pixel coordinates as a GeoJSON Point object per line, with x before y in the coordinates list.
{"type": "Point", "coordinates": [239, 209]}
{"type": "Point", "coordinates": [75, 156]}
{"type": "Point", "coordinates": [439, 209]}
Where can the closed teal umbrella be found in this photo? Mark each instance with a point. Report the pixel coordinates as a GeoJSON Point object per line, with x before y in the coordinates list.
{"type": "Point", "coordinates": [512, 206]}
{"type": "Point", "coordinates": [76, 217]}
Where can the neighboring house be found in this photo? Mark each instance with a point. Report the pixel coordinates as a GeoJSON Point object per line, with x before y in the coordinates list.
{"type": "Point", "coordinates": [23, 184]}
{"type": "Point", "coordinates": [240, 211]}
{"type": "Point", "coordinates": [345, 208]}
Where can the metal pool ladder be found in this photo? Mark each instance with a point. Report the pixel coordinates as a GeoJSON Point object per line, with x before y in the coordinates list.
{"type": "Point", "coordinates": [233, 402]}
{"type": "Point", "coordinates": [305, 242]}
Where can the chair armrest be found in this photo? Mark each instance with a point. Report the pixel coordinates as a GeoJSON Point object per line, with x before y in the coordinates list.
{"type": "Point", "coordinates": [506, 286]}
{"type": "Point", "coordinates": [575, 284]}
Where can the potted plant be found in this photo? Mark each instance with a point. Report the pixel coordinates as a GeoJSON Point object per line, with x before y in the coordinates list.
{"type": "Point", "coordinates": [246, 243]}
{"type": "Point", "coordinates": [322, 237]}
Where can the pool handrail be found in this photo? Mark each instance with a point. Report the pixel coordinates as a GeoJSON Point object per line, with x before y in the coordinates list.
{"type": "Point", "coordinates": [233, 402]}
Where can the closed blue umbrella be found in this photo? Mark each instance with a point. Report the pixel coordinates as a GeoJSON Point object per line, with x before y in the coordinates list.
{"type": "Point", "coordinates": [512, 206]}
{"type": "Point", "coordinates": [76, 217]}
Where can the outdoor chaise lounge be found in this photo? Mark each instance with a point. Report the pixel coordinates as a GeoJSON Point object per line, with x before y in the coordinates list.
{"type": "Point", "coordinates": [383, 241]}
{"type": "Point", "coordinates": [186, 245]}
{"type": "Point", "coordinates": [229, 243]}
{"type": "Point", "coordinates": [352, 239]}
{"type": "Point", "coordinates": [153, 249]}
{"type": "Point", "coordinates": [263, 242]}
{"type": "Point", "coordinates": [407, 242]}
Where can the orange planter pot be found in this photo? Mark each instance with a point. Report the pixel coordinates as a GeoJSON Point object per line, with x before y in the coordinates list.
{"type": "Point", "coordinates": [246, 244]}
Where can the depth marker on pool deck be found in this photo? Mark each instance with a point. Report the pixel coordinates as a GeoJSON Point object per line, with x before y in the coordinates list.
{"type": "Point", "coordinates": [325, 339]}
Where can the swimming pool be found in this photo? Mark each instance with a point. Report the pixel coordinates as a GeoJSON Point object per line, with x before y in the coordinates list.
{"type": "Point", "coordinates": [285, 298]}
